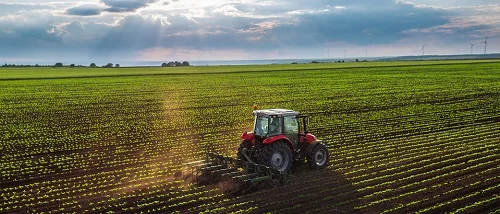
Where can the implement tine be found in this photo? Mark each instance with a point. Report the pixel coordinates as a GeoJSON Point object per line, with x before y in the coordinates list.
{"type": "Point", "coordinates": [213, 168]}
{"type": "Point", "coordinates": [194, 162]}
{"type": "Point", "coordinates": [205, 165]}
{"type": "Point", "coordinates": [245, 176]}
{"type": "Point", "coordinates": [231, 174]}
{"type": "Point", "coordinates": [259, 179]}
{"type": "Point", "coordinates": [223, 171]}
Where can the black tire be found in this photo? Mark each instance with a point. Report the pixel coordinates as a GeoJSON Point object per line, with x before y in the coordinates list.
{"type": "Point", "coordinates": [240, 154]}
{"type": "Point", "coordinates": [277, 155]}
{"type": "Point", "coordinates": [318, 159]}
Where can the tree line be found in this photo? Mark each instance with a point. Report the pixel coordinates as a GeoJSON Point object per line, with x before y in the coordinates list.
{"type": "Point", "coordinates": [175, 64]}
{"type": "Point", "coordinates": [59, 64]}
{"type": "Point", "coordinates": [92, 65]}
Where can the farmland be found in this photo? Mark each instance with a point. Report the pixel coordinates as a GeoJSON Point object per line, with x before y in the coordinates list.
{"type": "Point", "coordinates": [404, 137]}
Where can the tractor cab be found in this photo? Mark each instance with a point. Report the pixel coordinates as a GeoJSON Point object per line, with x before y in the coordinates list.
{"type": "Point", "coordinates": [275, 122]}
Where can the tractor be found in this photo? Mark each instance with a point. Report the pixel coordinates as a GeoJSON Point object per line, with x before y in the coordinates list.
{"type": "Point", "coordinates": [279, 140]}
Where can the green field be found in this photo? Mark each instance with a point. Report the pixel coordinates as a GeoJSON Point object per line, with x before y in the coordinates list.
{"type": "Point", "coordinates": [404, 137]}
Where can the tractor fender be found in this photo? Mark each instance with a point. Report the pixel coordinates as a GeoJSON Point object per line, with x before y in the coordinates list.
{"type": "Point", "coordinates": [311, 146]}
{"type": "Point", "coordinates": [310, 138]}
{"type": "Point", "coordinates": [278, 138]}
{"type": "Point", "coordinates": [248, 136]}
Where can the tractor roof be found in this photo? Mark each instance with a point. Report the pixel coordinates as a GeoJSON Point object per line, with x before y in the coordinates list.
{"type": "Point", "coordinates": [275, 112]}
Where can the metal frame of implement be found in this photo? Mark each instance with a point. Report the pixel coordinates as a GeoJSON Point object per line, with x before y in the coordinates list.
{"type": "Point", "coordinates": [217, 167]}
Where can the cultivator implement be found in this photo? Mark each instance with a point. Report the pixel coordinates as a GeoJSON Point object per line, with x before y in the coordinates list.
{"type": "Point", "coordinates": [242, 176]}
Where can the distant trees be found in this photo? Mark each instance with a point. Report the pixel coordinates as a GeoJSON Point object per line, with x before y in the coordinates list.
{"type": "Point", "coordinates": [94, 65]}
{"type": "Point", "coordinates": [14, 65]}
{"type": "Point", "coordinates": [36, 65]}
{"type": "Point", "coordinates": [59, 65]}
{"type": "Point", "coordinates": [175, 64]}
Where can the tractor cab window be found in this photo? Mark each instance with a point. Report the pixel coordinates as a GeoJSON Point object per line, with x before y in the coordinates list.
{"type": "Point", "coordinates": [292, 129]}
{"type": "Point", "coordinates": [268, 126]}
{"type": "Point", "coordinates": [261, 124]}
{"type": "Point", "coordinates": [275, 127]}
{"type": "Point", "coordinates": [291, 125]}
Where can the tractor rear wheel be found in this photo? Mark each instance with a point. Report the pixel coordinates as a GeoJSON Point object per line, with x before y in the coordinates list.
{"type": "Point", "coordinates": [277, 155]}
{"type": "Point", "coordinates": [318, 159]}
{"type": "Point", "coordinates": [244, 148]}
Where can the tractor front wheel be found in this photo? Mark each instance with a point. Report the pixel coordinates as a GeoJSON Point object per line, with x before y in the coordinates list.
{"type": "Point", "coordinates": [318, 159]}
{"type": "Point", "coordinates": [277, 155]}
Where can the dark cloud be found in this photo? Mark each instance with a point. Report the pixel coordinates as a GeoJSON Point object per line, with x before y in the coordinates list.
{"type": "Point", "coordinates": [359, 25]}
{"type": "Point", "coordinates": [356, 24]}
{"type": "Point", "coordinates": [84, 10]}
{"type": "Point", "coordinates": [118, 6]}
{"type": "Point", "coordinates": [113, 6]}
{"type": "Point", "coordinates": [134, 32]}
{"type": "Point", "coordinates": [29, 40]}
{"type": "Point", "coordinates": [455, 3]}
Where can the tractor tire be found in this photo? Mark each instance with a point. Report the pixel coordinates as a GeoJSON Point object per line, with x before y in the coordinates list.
{"type": "Point", "coordinates": [277, 155]}
{"type": "Point", "coordinates": [240, 154]}
{"type": "Point", "coordinates": [318, 159]}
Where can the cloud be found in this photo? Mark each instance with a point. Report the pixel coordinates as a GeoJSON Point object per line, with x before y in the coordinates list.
{"type": "Point", "coordinates": [118, 6]}
{"type": "Point", "coordinates": [9, 9]}
{"type": "Point", "coordinates": [358, 25]}
{"type": "Point", "coordinates": [26, 37]}
{"type": "Point", "coordinates": [138, 31]}
{"type": "Point", "coordinates": [455, 3]}
{"type": "Point", "coordinates": [85, 10]}
{"type": "Point", "coordinates": [112, 6]}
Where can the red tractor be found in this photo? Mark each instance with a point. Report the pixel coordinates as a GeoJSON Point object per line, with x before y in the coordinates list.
{"type": "Point", "coordinates": [279, 139]}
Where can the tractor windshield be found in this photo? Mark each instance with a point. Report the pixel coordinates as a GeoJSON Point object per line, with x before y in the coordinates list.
{"type": "Point", "coordinates": [261, 124]}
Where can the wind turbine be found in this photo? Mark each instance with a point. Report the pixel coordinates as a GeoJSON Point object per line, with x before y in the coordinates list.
{"type": "Point", "coordinates": [471, 47]}
{"type": "Point", "coordinates": [423, 49]}
{"type": "Point", "coordinates": [485, 44]}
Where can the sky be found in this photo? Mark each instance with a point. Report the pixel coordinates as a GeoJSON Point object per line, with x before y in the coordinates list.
{"type": "Point", "coordinates": [168, 30]}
